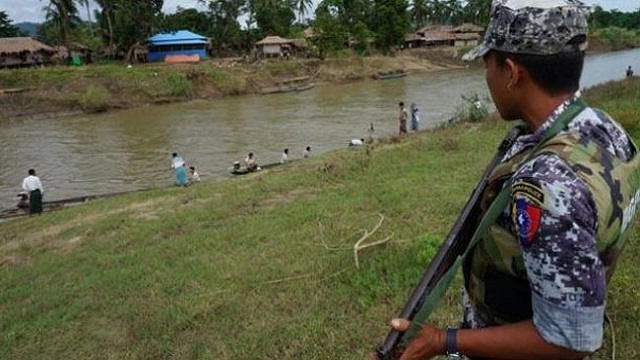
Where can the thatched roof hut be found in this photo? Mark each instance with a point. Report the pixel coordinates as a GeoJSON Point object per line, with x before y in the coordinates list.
{"type": "Point", "coordinates": [273, 40]}
{"type": "Point", "coordinates": [19, 45]}
{"type": "Point", "coordinates": [468, 28]}
{"type": "Point", "coordinates": [23, 51]}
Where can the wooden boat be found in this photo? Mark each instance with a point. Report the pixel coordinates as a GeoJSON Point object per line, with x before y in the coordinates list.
{"type": "Point", "coordinates": [245, 171]}
{"type": "Point", "coordinates": [47, 206]}
{"type": "Point", "coordinates": [304, 87]}
{"type": "Point", "coordinates": [389, 76]}
{"type": "Point", "coordinates": [295, 84]}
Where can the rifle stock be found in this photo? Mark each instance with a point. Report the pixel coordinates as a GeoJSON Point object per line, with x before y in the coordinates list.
{"type": "Point", "coordinates": [453, 246]}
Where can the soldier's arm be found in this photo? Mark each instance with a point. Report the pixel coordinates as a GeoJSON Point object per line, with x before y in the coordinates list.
{"type": "Point", "coordinates": [555, 221]}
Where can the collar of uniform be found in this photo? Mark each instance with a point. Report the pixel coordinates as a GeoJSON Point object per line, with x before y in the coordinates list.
{"type": "Point", "coordinates": [527, 141]}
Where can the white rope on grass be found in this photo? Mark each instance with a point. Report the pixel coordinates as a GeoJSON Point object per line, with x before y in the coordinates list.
{"type": "Point", "coordinates": [358, 245]}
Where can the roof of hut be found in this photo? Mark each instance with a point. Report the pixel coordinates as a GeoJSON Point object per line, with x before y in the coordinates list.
{"type": "Point", "coordinates": [412, 37]}
{"type": "Point", "coordinates": [468, 28]}
{"type": "Point", "coordinates": [180, 37]}
{"type": "Point", "coordinates": [438, 36]}
{"type": "Point", "coordinates": [438, 28]}
{"type": "Point", "coordinates": [273, 40]}
{"type": "Point", "coordinates": [16, 45]}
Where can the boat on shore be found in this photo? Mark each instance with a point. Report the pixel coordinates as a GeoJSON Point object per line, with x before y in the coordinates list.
{"type": "Point", "coordinates": [22, 208]}
{"type": "Point", "coordinates": [295, 84]}
{"type": "Point", "coordinates": [245, 171]}
{"type": "Point", "coordinates": [391, 75]}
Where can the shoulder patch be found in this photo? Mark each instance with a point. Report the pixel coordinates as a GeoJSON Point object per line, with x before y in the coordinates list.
{"type": "Point", "coordinates": [529, 191]}
{"type": "Point", "coordinates": [526, 219]}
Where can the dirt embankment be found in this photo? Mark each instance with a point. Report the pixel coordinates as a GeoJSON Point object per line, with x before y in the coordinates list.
{"type": "Point", "coordinates": [61, 91]}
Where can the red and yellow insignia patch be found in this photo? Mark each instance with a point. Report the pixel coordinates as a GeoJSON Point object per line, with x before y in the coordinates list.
{"type": "Point", "coordinates": [526, 217]}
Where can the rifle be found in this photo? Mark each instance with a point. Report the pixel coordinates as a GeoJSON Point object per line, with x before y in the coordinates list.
{"type": "Point", "coordinates": [454, 245]}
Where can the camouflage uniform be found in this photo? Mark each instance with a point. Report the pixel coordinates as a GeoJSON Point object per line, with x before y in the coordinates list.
{"type": "Point", "coordinates": [558, 275]}
{"type": "Point", "coordinates": [550, 253]}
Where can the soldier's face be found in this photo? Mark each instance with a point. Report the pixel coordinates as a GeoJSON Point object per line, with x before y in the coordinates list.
{"type": "Point", "coordinates": [498, 77]}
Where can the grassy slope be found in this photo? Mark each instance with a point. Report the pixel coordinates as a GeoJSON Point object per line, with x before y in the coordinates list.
{"type": "Point", "coordinates": [259, 267]}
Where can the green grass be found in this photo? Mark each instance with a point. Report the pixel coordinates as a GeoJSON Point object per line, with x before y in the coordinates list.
{"type": "Point", "coordinates": [257, 267]}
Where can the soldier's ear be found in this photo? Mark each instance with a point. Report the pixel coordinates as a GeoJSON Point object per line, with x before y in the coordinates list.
{"type": "Point", "coordinates": [514, 72]}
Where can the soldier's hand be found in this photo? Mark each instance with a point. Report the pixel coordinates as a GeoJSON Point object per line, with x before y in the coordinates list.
{"type": "Point", "coordinates": [430, 342]}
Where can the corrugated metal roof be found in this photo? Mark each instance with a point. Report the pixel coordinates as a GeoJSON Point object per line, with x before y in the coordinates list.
{"type": "Point", "coordinates": [179, 37]}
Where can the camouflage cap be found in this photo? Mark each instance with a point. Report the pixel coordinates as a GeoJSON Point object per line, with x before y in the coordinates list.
{"type": "Point", "coordinates": [537, 27]}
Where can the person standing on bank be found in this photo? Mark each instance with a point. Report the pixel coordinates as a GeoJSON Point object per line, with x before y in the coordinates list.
{"type": "Point", "coordinates": [178, 164]}
{"type": "Point", "coordinates": [536, 281]}
{"type": "Point", "coordinates": [402, 119]}
{"type": "Point", "coordinates": [32, 185]}
{"type": "Point", "coordinates": [415, 117]}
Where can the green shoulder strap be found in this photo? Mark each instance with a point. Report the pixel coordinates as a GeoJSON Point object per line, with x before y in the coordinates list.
{"type": "Point", "coordinates": [491, 215]}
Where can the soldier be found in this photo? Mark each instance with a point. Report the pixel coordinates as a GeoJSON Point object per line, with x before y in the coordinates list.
{"type": "Point", "coordinates": [535, 283]}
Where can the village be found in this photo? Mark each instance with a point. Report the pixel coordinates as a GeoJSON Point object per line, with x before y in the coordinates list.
{"type": "Point", "coordinates": [184, 46]}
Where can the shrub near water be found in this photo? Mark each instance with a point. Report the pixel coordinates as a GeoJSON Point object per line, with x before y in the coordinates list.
{"type": "Point", "coordinates": [95, 99]}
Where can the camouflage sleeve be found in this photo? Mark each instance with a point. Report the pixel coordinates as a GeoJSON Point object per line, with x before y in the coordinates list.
{"type": "Point", "coordinates": [555, 220]}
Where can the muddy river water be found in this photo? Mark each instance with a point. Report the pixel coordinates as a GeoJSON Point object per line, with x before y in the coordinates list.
{"type": "Point", "coordinates": [130, 149]}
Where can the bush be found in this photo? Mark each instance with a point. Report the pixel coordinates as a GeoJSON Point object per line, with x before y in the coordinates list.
{"type": "Point", "coordinates": [95, 99]}
{"type": "Point", "coordinates": [179, 85]}
{"type": "Point", "coordinates": [472, 109]}
{"type": "Point", "coordinates": [618, 38]}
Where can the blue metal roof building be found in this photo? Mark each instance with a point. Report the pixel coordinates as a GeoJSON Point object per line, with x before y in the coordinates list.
{"type": "Point", "coordinates": [181, 42]}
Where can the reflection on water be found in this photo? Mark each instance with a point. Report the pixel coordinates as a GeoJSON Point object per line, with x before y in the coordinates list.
{"type": "Point", "coordinates": [128, 150]}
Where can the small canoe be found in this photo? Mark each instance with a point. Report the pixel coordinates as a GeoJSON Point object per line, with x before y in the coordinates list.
{"type": "Point", "coordinates": [391, 76]}
{"type": "Point", "coordinates": [21, 210]}
{"type": "Point", "coordinates": [304, 87]}
{"type": "Point", "coordinates": [244, 171]}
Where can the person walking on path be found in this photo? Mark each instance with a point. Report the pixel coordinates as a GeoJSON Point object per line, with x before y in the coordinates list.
{"type": "Point", "coordinates": [415, 117]}
{"type": "Point", "coordinates": [402, 118]}
{"type": "Point", "coordinates": [535, 280]}
{"type": "Point", "coordinates": [33, 186]}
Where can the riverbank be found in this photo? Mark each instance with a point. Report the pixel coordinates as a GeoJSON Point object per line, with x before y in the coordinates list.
{"type": "Point", "coordinates": [262, 266]}
{"type": "Point", "coordinates": [64, 90]}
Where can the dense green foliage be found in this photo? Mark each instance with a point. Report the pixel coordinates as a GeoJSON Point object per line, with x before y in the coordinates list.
{"type": "Point", "coordinates": [262, 267]}
{"type": "Point", "coordinates": [601, 18]}
{"type": "Point", "coordinates": [7, 29]}
{"type": "Point", "coordinates": [337, 24]}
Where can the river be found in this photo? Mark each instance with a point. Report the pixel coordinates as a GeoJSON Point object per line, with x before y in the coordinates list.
{"type": "Point", "coordinates": [130, 149]}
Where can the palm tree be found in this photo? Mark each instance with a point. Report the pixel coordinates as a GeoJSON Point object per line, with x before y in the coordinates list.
{"type": "Point", "coordinates": [302, 7]}
{"type": "Point", "coordinates": [419, 13]}
{"type": "Point", "coordinates": [108, 7]}
{"type": "Point", "coordinates": [63, 13]}
{"type": "Point", "coordinates": [86, 4]}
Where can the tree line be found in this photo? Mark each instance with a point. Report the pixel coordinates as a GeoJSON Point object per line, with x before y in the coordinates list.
{"type": "Point", "coordinates": [233, 26]}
